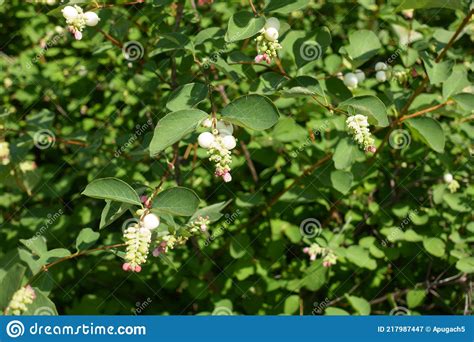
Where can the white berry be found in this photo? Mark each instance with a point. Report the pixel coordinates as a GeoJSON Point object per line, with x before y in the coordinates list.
{"type": "Point", "coordinates": [380, 66]}
{"type": "Point", "coordinates": [206, 139]}
{"type": "Point", "coordinates": [229, 142]}
{"type": "Point", "coordinates": [91, 18]}
{"type": "Point", "coordinates": [224, 128]}
{"type": "Point", "coordinates": [207, 123]}
{"type": "Point", "coordinates": [273, 23]}
{"type": "Point", "coordinates": [350, 80]}
{"type": "Point", "coordinates": [381, 76]}
{"type": "Point", "coordinates": [448, 178]}
{"type": "Point", "coordinates": [69, 13]}
{"type": "Point", "coordinates": [360, 75]}
{"type": "Point", "coordinates": [271, 34]}
{"type": "Point", "coordinates": [151, 221]}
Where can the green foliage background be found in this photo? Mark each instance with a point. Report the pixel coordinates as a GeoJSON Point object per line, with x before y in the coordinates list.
{"type": "Point", "coordinates": [402, 239]}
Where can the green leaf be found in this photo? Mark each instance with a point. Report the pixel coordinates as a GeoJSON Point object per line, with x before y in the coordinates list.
{"type": "Point", "coordinates": [173, 127]}
{"type": "Point", "coordinates": [187, 96]}
{"type": "Point", "coordinates": [111, 212]}
{"type": "Point", "coordinates": [292, 305]}
{"type": "Point", "coordinates": [368, 105]}
{"type": "Point", "coordinates": [41, 306]}
{"type": "Point", "coordinates": [363, 45]}
{"type": "Point", "coordinates": [212, 211]}
{"type": "Point", "coordinates": [437, 72]}
{"type": "Point", "coordinates": [418, 4]}
{"type": "Point", "coordinates": [429, 130]}
{"type": "Point", "coordinates": [465, 100]}
{"type": "Point", "coordinates": [285, 6]}
{"type": "Point", "coordinates": [10, 283]}
{"type": "Point", "coordinates": [243, 25]}
{"type": "Point", "coordinates": [359, 304]}
{"type": "Point", "coordinates": [112, 189]}
{"type": "Point", "coordinates": [310, 46]}
{"type": "Point", "coordinates": [37, 245]}
{"type": "Point", "coordinates": [86, 238]}
{"type": "Point", "coordinates": [466, 265]}
{"type": "Point", "coordinates": [240, 246]}
{"type": "Point", "coordinates": [341, 181]}
{"type": "Point", "coordinates": [332, 311]}
{"type": "Point", "coordinates": [315, 276]}
{"type": "Point", "coordinates": [251, 111]}
{"type": "Point", "coordinates": [344, 155]}
{"type": "Point", "coordinates": [415, 298]}
{"type": "Point", "coordinates": [456, 82]}
{"type": "Point", "coordinates": [435, 246]}
{"type": "Point", "coordinates": [360, 257]}
{"type": "Point", "coordinates": [177, 201]}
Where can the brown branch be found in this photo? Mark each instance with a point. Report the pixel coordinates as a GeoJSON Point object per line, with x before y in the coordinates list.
{"type": "Point", "coordinates": [46, 267]}
{"type": "Point", "coordinates": [109, 37]}
{"type": "Point", "coordinates": [249, 161]}
{"type": "Point", "coordinates": [423, 111]}
{"type": "Point", "coordinates": [254, 10]}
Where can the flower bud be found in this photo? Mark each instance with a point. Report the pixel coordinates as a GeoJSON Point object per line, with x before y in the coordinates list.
{"type": "Point", "coordinates": [380, 66]}
{"type": "Point", "coordinates": [360, 75]}
{"type": "Point", "coordinates": [271, 34]}
{"type": "Point", "coordinates": [69, 13]}
{"type": "Point", "coordinates": [229, 142]}
{"type": "Point", "coordinates": [381, 76]}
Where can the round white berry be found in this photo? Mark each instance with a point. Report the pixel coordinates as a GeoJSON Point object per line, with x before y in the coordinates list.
{"type": "Point", "coordinates": [91, 18]}
{"type": "Point", "coordinates": [229, 142]}
{"type": "Point", "coordinates": [380, 66]}
{"type": "Point", "coordinates": [448, 178]}
{"type": "Point", "coordinates": [207, 123]}
{"type": "Point", "coordinates": [206, 139]}
{"type": "Point", "coordinates": [350, 80]}
{"type": "Point", "coordinates": [381, 76]}
{"type": "Point", "coordinates": [271, 34]}
{"type": "Point", "coordinates": [360, 75]}
{"type": "Point", "coordinates": [273, 22]}
{"type": "Point", "coordinates": [151, 221]}
{"type": "Point", "coordinates": [224, 128]}
{"type": "Point", "coordinates": [69, 13]}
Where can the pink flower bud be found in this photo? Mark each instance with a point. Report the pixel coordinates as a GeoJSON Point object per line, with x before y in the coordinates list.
{"type": "Point", "coordinates": [327, 263]}
{"type": "Point", "coordinates": [306, 250]}
{"type": "Point", "coordinates": [78, 35]}
{"type": "Point", "coordinates": [203, 227]}
{"type": "Point", "coordinates": [126, 267]}
{"type": "Point", "coordinates": [259, 58]}
{"type": "Point", "coordinates": [156, 252]}
{"type": "Point", "coordinates": [312, 257]}
{"type": "Point", "coordinates": [227, 177]}
{"type": "Point", "coordinates": [137, 269]}
{"type": "Point", "coordinates": [371, 149]}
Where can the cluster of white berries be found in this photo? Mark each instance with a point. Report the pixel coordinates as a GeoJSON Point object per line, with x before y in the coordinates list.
{"type": "Point", "coordinates": [353, 79]}
{"type": "Point", "coordinates": [219, 144]}
{"type": "Point", "coordinates": [77, 20]}
{"type": "Point", "coordinates": [381, 71]}
{"type": "Point", "coordinates": [358, 125]}
{"type": "Point", "coordinates": [329, 257]}
{"type": "Point", "coordinates": [453, 185]}
{"type": "Point", "coordinates": [4, 153]}
{"type": "Point", "coordinates": [21, 298]}
{"type": "Point", "coordinates": [138, 238]}
{"type": "Point", "coordinates": [267, 41]}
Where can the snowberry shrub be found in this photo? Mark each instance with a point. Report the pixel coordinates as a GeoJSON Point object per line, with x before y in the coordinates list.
{"type": "Point", "coordinates": [257, 156]}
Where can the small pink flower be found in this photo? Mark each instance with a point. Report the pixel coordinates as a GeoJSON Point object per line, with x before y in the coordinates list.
{"type": "Point", "coordinates": [312, 257]}
{"type": "Point", "coordinates": [32, 291]}
{"type": "Point", "coordinates": [306, 250]}
{"type": "Point", "coordinates": [126, 267]}
{"type": "Point", "coordinates": [156, 252]}
{"type": "Point", "coordinates": [259, 58]}
{"type": "Point", "coordinates": [227, 177]}
{"type": "Point", "coordinates": [203, 227]}
{"type": "Point", "coordinates": [137, 269]}
{"type": "Point", "coordinates": [371, 149]}
{"type": "Point", "coordinates": [78, 35]}
{"type": "Point", "coordinates": [145, 200]}
{"type": "Point", "coordinates": [267, 58]}
{"type": "Point", "coordinates": [327, 263]}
